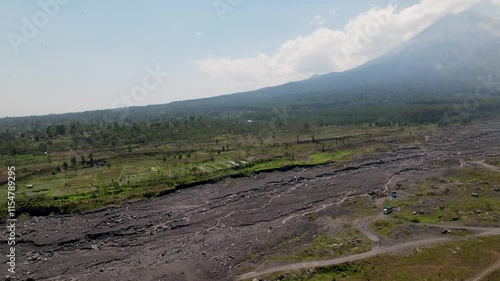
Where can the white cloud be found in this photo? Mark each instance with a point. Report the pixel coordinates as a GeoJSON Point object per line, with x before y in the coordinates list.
{"type": "Point", "coordinates": [367, 36]}
{"type": "Point", "coordinates": [334, 11]}
{"type": "Point", "coordinates": [496, 3]}
{"type": "Point", "coordinates": [318, 20]}
{"type": "Point", "coordinates": [199, 33]}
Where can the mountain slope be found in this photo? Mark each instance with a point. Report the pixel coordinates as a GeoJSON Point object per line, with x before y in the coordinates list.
{"type": "Point", "coordinates": [451, 53]}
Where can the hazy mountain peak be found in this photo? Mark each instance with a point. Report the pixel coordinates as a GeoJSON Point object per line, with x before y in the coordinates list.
{"type": "Point", "coordinates": [466, 17]}
{"type": "Point", "coordinates": [455, 50]}
{"type": "Point", "coordinates": [461, 23]}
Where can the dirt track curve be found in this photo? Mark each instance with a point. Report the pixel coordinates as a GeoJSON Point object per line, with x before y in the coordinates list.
{"type": "Point", "coordinates": [374, 252]}
{"type": "Point", "coordinates": [485, 272]}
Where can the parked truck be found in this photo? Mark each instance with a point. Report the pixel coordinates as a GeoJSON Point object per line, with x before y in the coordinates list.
{"type": "Point", "coordinates": [388, 209]}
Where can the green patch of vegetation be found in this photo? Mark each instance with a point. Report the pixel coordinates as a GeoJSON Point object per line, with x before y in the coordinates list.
{"type": "Point", "coordinates": [313, 216]}
{"type": "Point", "coordinates": [458, 208]}
{"type": "Point", "coordinates": [494, 161]}
{"type": "Point", "coordinates": [348, 154]}
{"type": "Point", "coordinates": [384, 227]}
{"type": "Point", "coordinates": [466, 195]}
{"type": "Point", "coordinates": [350, 241]}
{"type": "Point", "coordinates": [361, 206]}
{"type": "Point", "coordinates": [321, 157]}
{"type": "Point", "coordinates": [461, 232]}
{"type": "Point", "coordinates": [482, 176]}
{"type": "Point", "coordinates": [418, 218]}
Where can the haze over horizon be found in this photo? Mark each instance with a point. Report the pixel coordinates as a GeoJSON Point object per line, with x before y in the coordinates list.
{"type": "Point", "coordinates": [87, 56]}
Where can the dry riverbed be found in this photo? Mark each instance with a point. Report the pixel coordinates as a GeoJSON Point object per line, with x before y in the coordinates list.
{"type": "Point", "coordinates": [220, 231]}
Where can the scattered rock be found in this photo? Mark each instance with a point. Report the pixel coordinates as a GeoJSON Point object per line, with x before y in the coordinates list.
{"type": "Point", "coordinates": [445, 231]}
{"type": "Point", "coordinates": [336, 246]}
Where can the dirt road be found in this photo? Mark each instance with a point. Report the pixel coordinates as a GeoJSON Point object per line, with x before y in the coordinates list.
{"type": "Point", "coordinates": [486, 271]}
{"type": "Point", "coordinates": [487, 166]}
{"type": "Point", "coordinates": [485, 231]}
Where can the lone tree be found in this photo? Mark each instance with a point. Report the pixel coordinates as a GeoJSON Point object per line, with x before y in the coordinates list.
{"type": "Point", "coordinates": [65, 166]}
{"type": "Point", "coordinates": [91, 160]}
{"type": "Point", "coordinates": [73, 161]}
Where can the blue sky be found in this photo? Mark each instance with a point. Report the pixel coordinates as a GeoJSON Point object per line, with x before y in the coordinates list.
{"type": "Point", "coordinates": [95, 54]}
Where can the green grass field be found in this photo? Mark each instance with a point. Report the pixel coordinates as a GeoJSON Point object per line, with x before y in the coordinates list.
{"type": "Point", "coordinates": [449, 199]}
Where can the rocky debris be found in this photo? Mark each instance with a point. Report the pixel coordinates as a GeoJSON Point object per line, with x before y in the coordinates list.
{"type": "Point", "coordinates": [354, 240]}
{"type": "Point", "coordinates": [456, 250]}
{"type": "Point", "coordinates": [377, 194]}
{"type": "Point", "coordinates": [421, 212]}
{"type": "Point", "coordinates": [33, 256]}
{"type": "Point", "coordinates": [474, 194]}
{"type": "Point", "coordinates": [336, 246]}
{"type": "Point", "coordinates": [15, 278]}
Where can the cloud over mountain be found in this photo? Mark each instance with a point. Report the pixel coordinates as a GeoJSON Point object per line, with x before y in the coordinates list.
{"type": "Point", "coordinates": [367, 36]}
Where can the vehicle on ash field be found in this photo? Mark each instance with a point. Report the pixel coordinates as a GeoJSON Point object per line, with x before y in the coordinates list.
{"type": "Point", "coordinates": [394, 194]}
{"type": "Point", "coordinates": [388, 209]}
